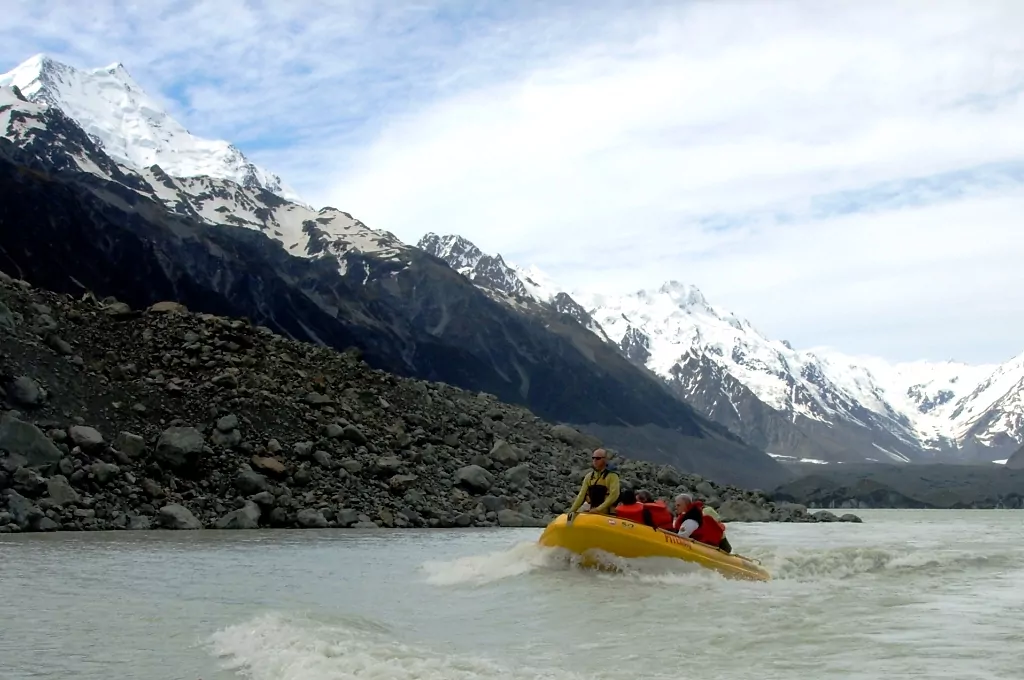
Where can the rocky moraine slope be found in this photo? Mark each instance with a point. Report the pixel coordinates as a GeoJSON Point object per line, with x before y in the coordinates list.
{"type": "Point", "coordinates": [124, 419]}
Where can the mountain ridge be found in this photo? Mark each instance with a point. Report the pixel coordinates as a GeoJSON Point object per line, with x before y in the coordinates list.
{"type": "Point", "coordinates": [86, 222]}
{"type": "Point", "coordinates": [817, 404]}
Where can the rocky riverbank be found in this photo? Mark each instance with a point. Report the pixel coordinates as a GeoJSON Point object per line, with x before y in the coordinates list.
{"type": "Point", "coordinates": [160, 418]}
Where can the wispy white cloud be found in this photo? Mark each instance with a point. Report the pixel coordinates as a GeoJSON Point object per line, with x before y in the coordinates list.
{"type": "Point", "coordinates": [842, 173]}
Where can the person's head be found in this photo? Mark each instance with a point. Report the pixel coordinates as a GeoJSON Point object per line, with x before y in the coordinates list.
{"type": "Point", "coordinates": [627, 497]}
{"type": "Point", "coordinates": [599, 459]}
{"type": "Point", "coordinates": [644, 496]}
{"type": "Point", "coordinates": [683, 502]}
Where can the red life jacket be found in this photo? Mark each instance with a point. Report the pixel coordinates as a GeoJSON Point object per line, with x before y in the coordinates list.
{"type": "Point", "coordinates": [709, 532]}
{"type": "Point", "coordinates": [677, 523]}
{"type": "Point", "coordinates": [634, 512]}
{"type": "Point", "coordinates": [658, 515]}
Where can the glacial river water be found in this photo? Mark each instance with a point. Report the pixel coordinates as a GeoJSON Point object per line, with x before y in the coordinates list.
{"type": "Point", "coordinates": [907, 594]}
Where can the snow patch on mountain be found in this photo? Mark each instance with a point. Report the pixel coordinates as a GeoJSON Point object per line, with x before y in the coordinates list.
{"type": "Point", "coordinates": [301, 230]}
{"type": "Point", "coordinates": [928, 394]}
{"type": "Point", "coordinates": [133, 128]}
{"type": "Point", "coordinates": [523, 289]}
{"type": "Point", "coordinates": [995, 406]}
{"type": "Point", "coordinates": [15, 126]}
{"type": "Point", "coordinates": [928, 407]}
{"type": "Point", "coordinates": [538, 284]}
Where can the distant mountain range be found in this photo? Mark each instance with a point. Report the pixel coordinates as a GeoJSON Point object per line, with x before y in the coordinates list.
{"type": "Point", "coordinates": [813, 406]}
{"type": "Point", "coordinates": [102, 189]}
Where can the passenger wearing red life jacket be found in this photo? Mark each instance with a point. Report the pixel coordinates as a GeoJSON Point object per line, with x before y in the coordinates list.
{"type": "Point", "coordinates": [688, 515]}
{"type": "Point", "coordinates": [629, 509]}
{"type": "Point", "coordinates": [656, 513]}
{"type": "Point", "coordinates": [693, 523]}
{"type": "Point", "coordinates": [712, 514]}
{"type": "Point", "coordinates": [710, 531]}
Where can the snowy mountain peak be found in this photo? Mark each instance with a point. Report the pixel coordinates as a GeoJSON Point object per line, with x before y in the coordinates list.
{"type": "Point", "coordinates": [684, 294]}
{"type": "Point", "coordinates": [818, 404]}
{"type": "Point", "coordinates": [132, 127]}
{"type": "Point", "coordinates": [457, 251]}
{"type": "Point", "coordinates": [487, 271]}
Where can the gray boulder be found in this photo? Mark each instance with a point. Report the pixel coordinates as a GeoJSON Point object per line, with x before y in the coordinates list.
{"type": "Point", "coordinates": [131, 445]}
{"type": "Point", "coordinates": [226, 440]}
{"type": "Point", "coordinates": [354, 435]}
{"type": "Point", "coordinates": [179, 447]}
{"type": "Point", "coordinates": [574, 437]}
{"type": "Point", "coordinates": [28, 481]}
{"type": "Point", "coordinates": [227, 423]}
{"type": "Point", "coordinates": [26, 439]}
{"type": "Point", "coordinates": [669, 475]}
{"type": "Point", "coordinates": [504, 453]}
{"type": "Point", "coordinates": [26, 514]}
{"type": "Point", "coordinates": [475, 478]}
{"type": "Point", "coordinates": [347, 517]}
{"type": "Point", "coordinates": [60, 492]}
{"type": "Point", "coordinates": [246, 517]}
{"type": "Point", "coordinates": [7, 320]}
{"type": "Point", "coordinates": [104, 473]}
{"type": "Point", "coordinates": [26, 392]}
{"type": "Point", "coordinates": [89, 438]}
{"type": "Point", "coordinates": [743, 511]}
{"type": "Point", "coordinates": [138, 523]}
{"type": "Point", "coordinates": [174, 516]}
{"type": "Point", "coordinates": [311, 519]}
{"type": "Point", "coordinates": [250, 483]}
{"type": "Point", "coordinates": [519, 476]}
{"type": "Point", "coordinates": [511, 518]}
{"type": "Point", "coordinates": [385, 465]}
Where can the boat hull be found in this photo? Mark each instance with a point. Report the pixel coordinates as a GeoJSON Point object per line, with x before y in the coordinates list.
{"type": "Point", "coordinates": [591, 534]}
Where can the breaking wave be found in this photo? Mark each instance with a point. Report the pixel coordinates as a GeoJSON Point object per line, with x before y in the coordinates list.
{"type": "Point", "coordinates": [848, 563]}
{"type": "Point", "coordinates": [784, 564]}
{"type": "Point", "coordinates": [522, 558]}
{"type": "Point", "coordinates": [283, 647]}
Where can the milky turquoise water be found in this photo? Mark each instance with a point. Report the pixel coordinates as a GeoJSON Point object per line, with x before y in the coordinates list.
{"type": "Point", "coordinates": [907, 594]}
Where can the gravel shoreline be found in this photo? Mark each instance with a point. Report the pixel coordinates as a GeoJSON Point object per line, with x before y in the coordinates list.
{"type": "Point", "coordinates": [161, 418]}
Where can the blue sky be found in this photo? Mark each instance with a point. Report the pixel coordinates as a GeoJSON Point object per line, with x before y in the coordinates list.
{"type": "Point", "coordinates": [844, 174]}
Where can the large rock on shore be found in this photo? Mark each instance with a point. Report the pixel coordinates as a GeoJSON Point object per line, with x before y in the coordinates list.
{"type": "Point", "coordinates": [167, 419]}
{"type": "Point", "coordinates": [27, 440]}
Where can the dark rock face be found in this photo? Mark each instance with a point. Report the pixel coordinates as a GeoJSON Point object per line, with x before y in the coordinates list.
{"type": "Point", "coordinates": [1016, 461]}
{"type": "Point", "coordinates": [63, 229]}
{"type": "Point", "coordinates": [404, 452]}
{"type": "Point", "coordinates": [919, 486]}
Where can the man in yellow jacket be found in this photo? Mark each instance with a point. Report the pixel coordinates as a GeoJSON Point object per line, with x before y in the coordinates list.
{"type": "Point", "coordinates": [600, 487]}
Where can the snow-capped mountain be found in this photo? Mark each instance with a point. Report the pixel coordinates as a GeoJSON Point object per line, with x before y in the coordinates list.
{"type": "Point", "coordinates": [76, 216]}
{"type": "Point", "coordinates": [132, 127]}
{"type": "Point", "coordinates": [811, 405]}
{"type": "Point", "coordinates": [232, 192]}
{"type": "Point", "coordinates": [509, 284]}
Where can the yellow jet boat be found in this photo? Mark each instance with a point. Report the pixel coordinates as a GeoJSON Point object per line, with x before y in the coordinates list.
{"type": "Point", "coordinates": [606, 533]}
